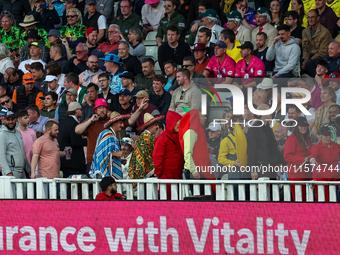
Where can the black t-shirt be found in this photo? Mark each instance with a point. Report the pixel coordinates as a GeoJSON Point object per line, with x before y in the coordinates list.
{"type": "Point", "coordinates": [297, 32]}
{"type": "Point", "coordinates": [118, 108]}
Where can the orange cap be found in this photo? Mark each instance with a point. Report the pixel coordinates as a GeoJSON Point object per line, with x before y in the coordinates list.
{"type": "Point", "coordinates": [28, 78]}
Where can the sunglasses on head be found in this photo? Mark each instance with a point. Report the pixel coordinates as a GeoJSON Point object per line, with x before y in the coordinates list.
{"type": "Point", "coordinates": [70, 16]}
{"type": "Point", "coordinates": [5, 13]}
{"type": "Point", "coordinates": [29, 79]}
{"type": "Point", "coordinates": [5, 102]}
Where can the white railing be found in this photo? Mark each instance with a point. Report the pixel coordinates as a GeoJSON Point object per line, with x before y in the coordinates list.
{"type": "Point", "coordinates": [156, 189]}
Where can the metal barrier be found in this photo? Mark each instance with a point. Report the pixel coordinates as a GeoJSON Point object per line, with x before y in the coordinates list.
{"type": "Point", "coordinates": [156, 189]}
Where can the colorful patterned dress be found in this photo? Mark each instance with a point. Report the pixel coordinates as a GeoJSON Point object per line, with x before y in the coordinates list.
{"type": "Point", "coordinates": [141, 161]}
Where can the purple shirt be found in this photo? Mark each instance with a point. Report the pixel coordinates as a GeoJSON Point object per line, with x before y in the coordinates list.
{"type": "Point", "coordinates": [39, 125]}
{"type": "Point", "coordinates": [315, 100]}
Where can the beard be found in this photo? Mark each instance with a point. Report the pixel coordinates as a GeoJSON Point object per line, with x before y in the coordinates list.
{"type": "Point", "coordinates": [94, 70]}
{"type": "Point", "coordinates": [113, 191]}
{"type": "Point", "coordinates": [10, 128]}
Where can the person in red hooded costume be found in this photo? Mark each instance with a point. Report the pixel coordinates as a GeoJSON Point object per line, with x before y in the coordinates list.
{"type": "Point", "coordinates": [194, 145]}
{"type": "Point", "coordinates": [167, 155]}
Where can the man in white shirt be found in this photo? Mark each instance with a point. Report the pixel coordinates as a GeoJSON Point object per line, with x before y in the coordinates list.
{"type": "Point", "coordinates": [35, 50]}
{"type": "Point", "coordinates": [210, 20]}
{"type": "Point", "coordinates": [52, 82]}
{"type": "Point", "coordinates": [152, 12]}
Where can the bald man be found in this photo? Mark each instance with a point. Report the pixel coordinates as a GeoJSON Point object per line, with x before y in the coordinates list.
{"type": "Point", "coordinates": [332, 59]}
{"type": "Point", "coordinates": [90, 75]}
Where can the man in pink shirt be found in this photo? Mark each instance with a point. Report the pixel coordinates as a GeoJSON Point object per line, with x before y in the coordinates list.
{"type": "Point", "coordinates": [251, 69]}
{"type": "Point", "coordinates": [221, 65]}
{"type": "Point", "coordinates": [46, 153]}
{"type": "Point", "coordinates": [28, 135]}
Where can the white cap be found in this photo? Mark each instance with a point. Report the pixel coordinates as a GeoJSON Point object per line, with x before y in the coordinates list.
{"type": "Point", "coordinates": [50, 78]}
{"type": "Point", "coordinates": [128, 140]}
{"type": "Point", "coordinates": [214, 126]}
{"type": "Point", "coordinates": [73, 106]}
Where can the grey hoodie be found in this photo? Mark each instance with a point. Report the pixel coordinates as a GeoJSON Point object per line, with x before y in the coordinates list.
{"type": "Point", "coordinates": [12, 153]}
{"type": "Point", "coordinates": [287, 57]}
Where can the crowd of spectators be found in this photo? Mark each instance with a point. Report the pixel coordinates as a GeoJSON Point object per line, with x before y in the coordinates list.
{"type": "Point", "coordinates": [81, 95]}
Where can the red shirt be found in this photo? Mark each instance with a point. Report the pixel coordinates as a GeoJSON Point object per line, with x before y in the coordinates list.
{"type": "Point", "coordinates": [225, 69]}
{"type": "Point", "coordinates": [254, 69]}
{"type": "Point", "coordinates": [103, 196]}
{"type": "Point", "coordinates": [327, 159]}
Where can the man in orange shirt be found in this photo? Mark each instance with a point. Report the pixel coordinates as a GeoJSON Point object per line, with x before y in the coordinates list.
{"type": "Point", "coordinates": [201, 58]}
{"type": "Point", "coordinates": [27, 94]}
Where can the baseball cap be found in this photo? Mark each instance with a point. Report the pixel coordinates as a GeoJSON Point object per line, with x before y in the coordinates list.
{"type": "Point", "coordinates": [127, 75]}
{"type": "Point", "coordinates": [9, 114]}
{"type": "Point", "coordinates": [234, 15]}
{"type": "Point", "coordinates": [72, 90]}
{"type": "Point", "coordinates": [50, 78]}
{"type": "Point", "coordinates": [73, 106]}
{"type": "Point", "coordinates": [325, 131]}
{"type": "Point", "coordinates": [125, 92]}
{"type": "Point", "coordinates": [220, 44]}
{"type": "Point", "coordinates": [302, 121]}
{"type": "Point", "coordinates": [127, 140]}
{"type": "Point", "coordinates": [3, 111]}
{"type": "Point", "coordinates": [28, 78]}
{"type": "Point", "coordinates": [90, 30]}
{"type": "Point", "coordinates": [246, 45]}
{"type": "Point", "coordinates": [209, 13]}
{"type": "Point", "coordinates": [35, 44]}
{"type": "Point", "coordinates": [261, 10]}
{"type": "Point", "coordinates": [214, 127]}
{"type": "Point", "coordinates": [72, 1]}
{"type": "Point", "coordinates": [88, 2]}
{"type": "Point", "coordinates": [199, 46]}
{"type": "Point", "coordinates": [141, 94]}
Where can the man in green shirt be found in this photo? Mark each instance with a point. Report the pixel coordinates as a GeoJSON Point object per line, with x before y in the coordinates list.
{"type": "Point", "coordinates": [9, 34]}
{"type": "Point", "coordinates": [127, 19]}
{"type": "Point", "coordinates": [30, 23]}
{"type": "Point", "coordinates": [171, 18]}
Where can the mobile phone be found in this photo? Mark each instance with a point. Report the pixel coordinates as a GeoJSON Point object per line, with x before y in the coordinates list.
{"type": "Point", "coordinates": [43, 6]}
{"type": "Point", "coordinates": [42, 98]}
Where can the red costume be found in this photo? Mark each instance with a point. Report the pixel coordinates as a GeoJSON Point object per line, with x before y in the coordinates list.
{"type": "Point", "coordinates": [167, 155]}
{"type": "Point", "coordinates": [295, 156]}
{"type": "Point", "coordinates": [200, 154]}
{"type": "Point", "coordinates": [327, 169]}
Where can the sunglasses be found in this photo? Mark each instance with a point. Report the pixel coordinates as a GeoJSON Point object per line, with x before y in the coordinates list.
{"type": "Point", "coordinates": [186, 66]}
{"type": "Point", "coordinates": [167, 5]}
{"type": "Point", "coordinates": [29, 79]}
{"type": "Point", "coordinates": [70, 16]}
{"type": "Point", "coordinates": [5, 13]}
{"type": "Point", "coordinates": [5, 102]}
{"type": "Point", "coordinates": [182, 95]}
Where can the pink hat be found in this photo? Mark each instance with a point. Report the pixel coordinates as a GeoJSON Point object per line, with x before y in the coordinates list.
{"type": "Point", "coordinates": [100, 102]}
{"type": "Point", "coordinates": [151, 1]}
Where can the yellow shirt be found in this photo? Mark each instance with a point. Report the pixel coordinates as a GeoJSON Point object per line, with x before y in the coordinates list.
{"type": "Point", "coordinates": [235, 53]}
{"type": "Point", "coordinates": [335, 5]}
{"type": "Point", "coordinates": [307, 5]}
